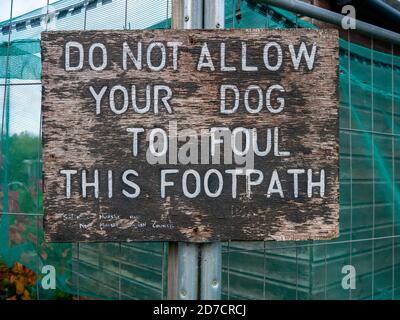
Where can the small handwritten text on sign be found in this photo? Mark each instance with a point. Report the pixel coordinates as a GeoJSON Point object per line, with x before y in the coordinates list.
{"type": "Point", "coordinates": [190, 135]}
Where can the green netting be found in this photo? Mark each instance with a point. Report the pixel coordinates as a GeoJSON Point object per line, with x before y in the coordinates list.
{"type": "Point", "coordinates": [23, 59]}
{"type": "Point", "coordinates": [369, 188]}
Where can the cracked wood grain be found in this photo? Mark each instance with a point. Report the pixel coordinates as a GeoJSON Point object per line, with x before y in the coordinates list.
{"type": "Point", "coordinates": [76, 138]}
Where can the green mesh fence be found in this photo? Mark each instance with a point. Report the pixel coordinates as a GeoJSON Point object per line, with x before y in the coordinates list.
{"type": "Point", "coordinates": [23, 60]}
{"type": "Point", "coordinates": [369, 182]}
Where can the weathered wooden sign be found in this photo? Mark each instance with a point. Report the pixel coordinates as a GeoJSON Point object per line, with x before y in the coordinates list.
{"type": "Point", "coordinates": [190, 135]}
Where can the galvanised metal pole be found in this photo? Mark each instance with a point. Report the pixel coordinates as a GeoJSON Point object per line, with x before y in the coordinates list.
{"type": "Point", "coordinates": [210, 253]}
{"type": "Point", "coordinates": [210, 276]}
{"type": "Point", "coordinates": [187, 14]}
{"type": "Point", "coordinates": [183, 258]}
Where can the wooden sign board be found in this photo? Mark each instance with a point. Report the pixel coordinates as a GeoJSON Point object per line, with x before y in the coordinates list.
{"type": "Point", "coordinates": [190, 135]}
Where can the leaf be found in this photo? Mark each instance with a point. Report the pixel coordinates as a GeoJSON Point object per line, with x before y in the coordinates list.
{"type": "Point", "coordinates": [26, 295]}
{"type": "Point", "coordinates": [44, 255]}
{"type": "Point", "coordinates": [65, 253]}
{"type": "Point", "coordinates": [20, 287]}
{"type": "Point", "coordinates": [18, 267]}
{"type": "Point", "coordinates": [20, 227]}
{"type": "Point", "coordinates": [32, 237]}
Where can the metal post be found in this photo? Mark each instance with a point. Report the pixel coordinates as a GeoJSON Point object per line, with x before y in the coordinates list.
{"type": "Point", "coordinates": [183, 258]}
{"type": "Point", "coordinates": [188, 261]}
{"type": "Point", "coordinates": [210, 277]}
{"type": "Point", "coordinates": [187, 14]}
{"type": "Point", "coordinates": [214, 14]}
{"type": "Point", "coordinates": [183, 261]}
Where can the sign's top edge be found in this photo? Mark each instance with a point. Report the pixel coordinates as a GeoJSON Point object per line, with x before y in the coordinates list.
{"type": "Point", "coordinates": [291, 30]}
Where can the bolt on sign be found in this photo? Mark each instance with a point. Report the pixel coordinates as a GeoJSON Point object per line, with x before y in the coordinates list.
{"type": "Point", "coordinates": [190, 135]}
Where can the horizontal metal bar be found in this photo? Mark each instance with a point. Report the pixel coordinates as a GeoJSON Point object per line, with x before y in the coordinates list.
{"type": "Point", "coordinates": [312, 243]}
{"type": "Point", "coordinates": [20, 84]}
{"type": "Point", "coordinates": [334, 18]}
{"type": "Point", "coordinates": [21, 214]}
{"type": "Point", "coordinates": [387, 134]}
{"type": "Point", "coordinates": [382, 7]}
